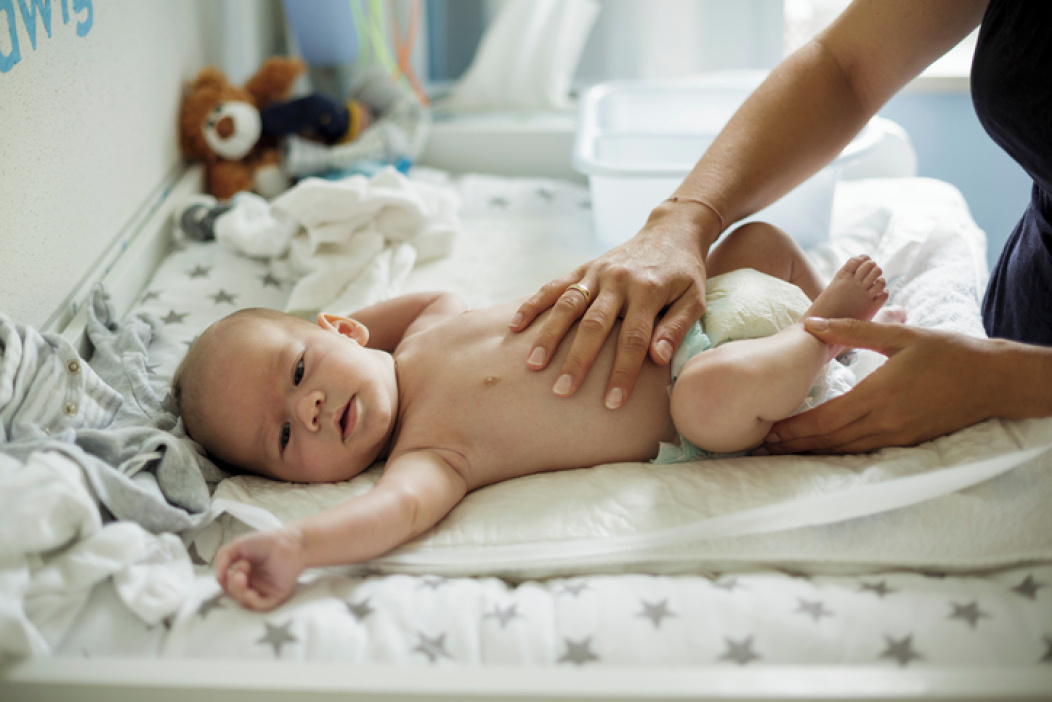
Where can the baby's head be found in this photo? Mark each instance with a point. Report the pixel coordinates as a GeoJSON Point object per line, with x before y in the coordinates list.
{"type": "Point", "coordinates": [277, 395]}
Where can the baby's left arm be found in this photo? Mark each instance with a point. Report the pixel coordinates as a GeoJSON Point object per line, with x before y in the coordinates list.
{"type": "Point", "coordinates": [417, 489]}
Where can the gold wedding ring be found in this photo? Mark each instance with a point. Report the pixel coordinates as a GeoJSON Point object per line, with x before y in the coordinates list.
{"type": "Point", "coordinates": [583, 290]}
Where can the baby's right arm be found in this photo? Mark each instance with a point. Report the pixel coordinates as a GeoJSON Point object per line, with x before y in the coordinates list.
{"type": "Point", "coordinates": [392, 320]}
{"type": "Point", "coordinates": [417, 489]}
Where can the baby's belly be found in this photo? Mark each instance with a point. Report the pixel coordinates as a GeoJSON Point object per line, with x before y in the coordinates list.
{"type": "Point", "coordinates": [506, 421]}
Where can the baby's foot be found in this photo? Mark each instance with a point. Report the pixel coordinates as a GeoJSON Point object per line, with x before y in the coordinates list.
{"type": "Point", "coordinates": [856, 291]}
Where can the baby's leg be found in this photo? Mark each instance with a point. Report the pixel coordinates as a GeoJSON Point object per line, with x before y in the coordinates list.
{"type": "Point", "coordinates": [726, 399]}
{"type": "Point", "coordinates": [768, 249]}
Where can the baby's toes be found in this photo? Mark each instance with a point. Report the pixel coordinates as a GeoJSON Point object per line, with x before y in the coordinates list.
{"type": "Point", "coordinates": [877, 288]}
{"type": "Point", "coordinates": [868, 273]}
{"type": "Point", "coordinates": [852, 265]}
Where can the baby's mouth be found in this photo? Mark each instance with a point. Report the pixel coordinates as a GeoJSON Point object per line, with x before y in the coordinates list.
{"type": "Point", "coordinates": [349, 418]}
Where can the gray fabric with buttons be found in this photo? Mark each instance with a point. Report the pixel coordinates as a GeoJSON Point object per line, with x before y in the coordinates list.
{"type": "Point", "coordinates": [122, 431]}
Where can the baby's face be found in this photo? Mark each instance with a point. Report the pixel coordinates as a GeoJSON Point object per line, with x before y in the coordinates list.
{"type": "Point", "coordinates": [297, 401]}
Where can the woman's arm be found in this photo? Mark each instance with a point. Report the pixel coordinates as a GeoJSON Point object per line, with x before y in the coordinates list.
{"type": "Point", "coordinates": [933, 383]}
{"type": "Point", "coordinates": [800, 118]}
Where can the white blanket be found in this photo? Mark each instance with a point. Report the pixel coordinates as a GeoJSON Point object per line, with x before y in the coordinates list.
{"type": "Point", "coordinates": [346, 244]}
{"type": "Point", "coordinates": [812, 512]}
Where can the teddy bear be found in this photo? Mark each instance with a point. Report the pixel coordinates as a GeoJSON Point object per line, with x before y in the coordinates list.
{"type": "Point", "coordinates": [238, 132]}
{"type": "Point", "coordinates": [220, 125]}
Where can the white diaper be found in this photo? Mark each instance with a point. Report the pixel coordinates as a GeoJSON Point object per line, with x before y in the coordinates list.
{"type": "Point", "coordinates": [746, 304]}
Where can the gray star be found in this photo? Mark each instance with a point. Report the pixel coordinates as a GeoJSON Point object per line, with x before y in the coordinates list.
{"type": "Point", "coordinates": [269, 279]}
{"type": "Point", "coordinates": [545, 194]}
{"type": "Point", "coordinates": [1047, 658]}
{"type": "Point", "coordinates": [579, 652]}
{"type": "Point", "coordinates": [360, 610]}
{"type": "Point", "coordinates": [585, 204]}
{"type": "Point", "coordinates": [739, 651]}
{"type": "Point", "coordinates": [728, 584]}
{"type": "Point", "coordinates": [969, 613]}
{"type": "Point", "coordinates": [498, 202]}
{"type": "Point", "coordinates": [503, 615]}
{"type": "Point", "coordinates": [1028, 588]}
{"type": "Point", "coordinates": [880, 589]}
{"type": "Point", "coordinates": [574, 589]}
{"type": "Point", "coordinates": [277, 636]}
{"type": "Point", "coordinates": [901, 650]}
{"type": "Point", "coordinates": [432, 583]}
{"type": "Point", "coordinates": [150, 295]}
{"type": "Point", "coordinates": [200, 271]}
{"type": "Point", "coordinates": [223, 296]}
{"type": "Point", "coordinates": [174, 317]}
{"type": "Point", "coordinates": [210, 604]}
{"type": "Point", "coordinates": [656, 612]}
{"type": "Point", "coordinates": [433, 648]}
{"type": "Point", "coordinates": [815, 609]}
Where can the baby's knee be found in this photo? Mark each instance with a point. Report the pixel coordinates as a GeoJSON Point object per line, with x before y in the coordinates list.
{"type": "Point", "coordinates": [760, 234]}
{"type": "Point", "coordinates": [713, 403]}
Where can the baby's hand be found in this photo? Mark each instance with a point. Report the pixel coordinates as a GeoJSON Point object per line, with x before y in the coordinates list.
{"type": "Point", "coordinates": [260, 570]}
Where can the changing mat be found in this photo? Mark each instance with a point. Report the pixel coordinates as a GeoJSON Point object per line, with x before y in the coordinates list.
{"type": "Point", "coordinates": [937, 505]}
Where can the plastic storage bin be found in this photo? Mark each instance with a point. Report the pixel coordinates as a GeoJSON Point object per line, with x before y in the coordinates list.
{"type": "Point", "coordinates": [637, 140]}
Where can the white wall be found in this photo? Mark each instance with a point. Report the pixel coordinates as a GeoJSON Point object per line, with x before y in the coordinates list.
{"type": "Point", "coordinates": [89, 96]}
{"type": "Point", "coordinates": [87, 132]}
{"type": "Point", "coordinates": [671, 38]}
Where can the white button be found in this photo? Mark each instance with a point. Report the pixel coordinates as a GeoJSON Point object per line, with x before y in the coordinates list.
{"type": "Point", "coordinates": [70, 408]}
{"type": "Point", "coordinates": [73, 366]}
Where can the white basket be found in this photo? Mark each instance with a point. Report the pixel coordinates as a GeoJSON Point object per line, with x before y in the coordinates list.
{"type": "Point", "coordinates": [637, 140]}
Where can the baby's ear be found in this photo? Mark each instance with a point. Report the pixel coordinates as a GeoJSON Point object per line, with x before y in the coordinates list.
{"type": "Point", "coordinates": [345, 326]}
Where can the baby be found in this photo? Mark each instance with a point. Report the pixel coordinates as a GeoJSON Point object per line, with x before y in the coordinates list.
{"type": "Point", "coordinates": [442, 395]}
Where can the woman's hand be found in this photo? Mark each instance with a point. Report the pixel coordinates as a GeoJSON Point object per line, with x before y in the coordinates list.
{"type": "Point", "coordinates": [260, 570]}
{"type": "Point", "coordinates": [661, 269]}
{"type": "Point", "coordinates": [932, 384]}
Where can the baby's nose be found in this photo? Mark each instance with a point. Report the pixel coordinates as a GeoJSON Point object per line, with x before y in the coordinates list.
{"type": "Point", "coordinates": [308, 407]}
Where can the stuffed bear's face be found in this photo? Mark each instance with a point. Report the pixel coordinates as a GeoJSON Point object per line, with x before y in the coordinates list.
{"type": "Point", "coordinates": [232, 129]}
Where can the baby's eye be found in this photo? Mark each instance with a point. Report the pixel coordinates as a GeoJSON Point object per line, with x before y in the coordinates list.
{"type": "Point", "coordinates": [297, 375]}
{"type": "Point", "coordinates": [285, 431]}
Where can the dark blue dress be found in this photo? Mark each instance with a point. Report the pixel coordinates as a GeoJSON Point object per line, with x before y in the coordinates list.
{"type": "Point", "coordinates": [1012, 93]}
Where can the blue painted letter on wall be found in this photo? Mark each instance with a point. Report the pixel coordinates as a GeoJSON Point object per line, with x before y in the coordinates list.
{"type": "Point", "coordinates": [30, 11]}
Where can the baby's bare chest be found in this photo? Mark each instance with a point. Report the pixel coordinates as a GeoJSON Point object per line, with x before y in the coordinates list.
{"type": "Point", "coordinates": [465, 387]}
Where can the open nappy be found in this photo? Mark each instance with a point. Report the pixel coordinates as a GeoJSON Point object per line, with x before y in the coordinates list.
{"type": "Point", "coordinates": [747, 304]}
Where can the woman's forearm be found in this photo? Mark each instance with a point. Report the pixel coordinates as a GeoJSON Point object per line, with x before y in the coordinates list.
{"type": "Point", "coordinates": [1022, 380]}
{"type": "Point", "coordinates": [818, 99]}
{"type": "Point", "coordinates": [797, 121]}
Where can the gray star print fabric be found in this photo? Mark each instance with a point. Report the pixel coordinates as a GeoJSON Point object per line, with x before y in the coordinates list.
{"type": "Point", "coordinates": [894, 620]}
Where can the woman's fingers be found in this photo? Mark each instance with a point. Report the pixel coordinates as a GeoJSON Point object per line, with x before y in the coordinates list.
{"type": "Point", "coordinates": [672, 328]}
{"type": "Point", "coordinates": [566, 309]}
{"type": "Point", "coordinates": [826, 428]}
{"type": "Point", "coordinates": [596, 322]}
{"type": "Point", "coordinates": [541, 300]}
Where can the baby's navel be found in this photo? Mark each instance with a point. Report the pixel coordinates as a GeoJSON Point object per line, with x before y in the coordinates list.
{"type": "Point", "coordinates": [490, 380]}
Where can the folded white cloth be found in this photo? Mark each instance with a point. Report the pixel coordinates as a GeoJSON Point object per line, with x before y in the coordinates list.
{"type": "Point", "coordinates": [347, 243]}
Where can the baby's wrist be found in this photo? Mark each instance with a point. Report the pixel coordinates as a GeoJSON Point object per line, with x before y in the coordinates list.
{"type": "Point", "coordinates": [296, 541]}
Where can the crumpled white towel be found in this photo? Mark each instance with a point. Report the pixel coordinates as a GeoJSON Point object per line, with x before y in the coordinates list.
{"type": "Point", "coordinates": [54, 549]}
{"type": "Point", "coordinates": [345, 243]}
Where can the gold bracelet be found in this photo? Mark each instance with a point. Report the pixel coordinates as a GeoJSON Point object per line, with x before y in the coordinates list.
{"type": "Point", "coordinates": [676, 198]}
